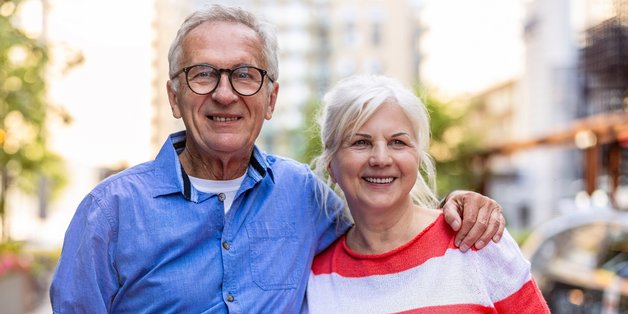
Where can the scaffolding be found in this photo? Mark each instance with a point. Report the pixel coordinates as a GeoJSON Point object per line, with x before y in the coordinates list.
{"type": "Point", "coordinates": [604, 63]}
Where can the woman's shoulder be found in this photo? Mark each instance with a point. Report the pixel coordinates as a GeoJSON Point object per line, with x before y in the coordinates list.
{"type": "Point", "coordinates": [428, 217]}
{"type": "Point", "coordinates": [430, 214]}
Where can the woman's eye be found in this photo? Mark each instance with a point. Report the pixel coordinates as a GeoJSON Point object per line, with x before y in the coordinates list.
{"type": "Point", "coordinates": [360, 143]}
{"type": "Point", "coordinates": [398, 143]}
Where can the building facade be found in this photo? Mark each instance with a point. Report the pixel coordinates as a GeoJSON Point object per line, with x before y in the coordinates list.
{"type": "Point", "coordinates": [567, 151]}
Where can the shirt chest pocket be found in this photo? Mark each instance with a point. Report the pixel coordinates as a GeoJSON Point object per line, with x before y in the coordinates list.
{"type": "Point", "coordinates": [277, 260]}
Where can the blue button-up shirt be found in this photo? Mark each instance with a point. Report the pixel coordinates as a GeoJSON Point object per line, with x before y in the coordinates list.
{"type": "Point", "coordinates": [145, 241]}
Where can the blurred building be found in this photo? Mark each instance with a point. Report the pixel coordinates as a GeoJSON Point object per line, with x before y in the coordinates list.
{"type": "Point", "coordinates": [320, 41]}
{"type": "Point", "coordinates": [561, 144]}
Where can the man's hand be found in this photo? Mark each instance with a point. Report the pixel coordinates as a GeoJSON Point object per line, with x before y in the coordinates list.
{"type": "Point", "coordinates": [482, 218]}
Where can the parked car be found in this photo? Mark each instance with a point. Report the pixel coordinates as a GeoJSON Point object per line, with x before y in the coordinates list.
{"type": "Point", "coordinates": [580, 261]}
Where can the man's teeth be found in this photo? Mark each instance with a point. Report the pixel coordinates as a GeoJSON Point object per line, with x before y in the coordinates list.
{"type": "Point", "coordinates": [379, 180]}
{"type": "Point", "coordinates": [223, 119]}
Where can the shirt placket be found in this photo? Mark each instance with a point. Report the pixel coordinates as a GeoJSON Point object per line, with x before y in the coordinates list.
{"type": "Point", "coordinates": [229, 255]}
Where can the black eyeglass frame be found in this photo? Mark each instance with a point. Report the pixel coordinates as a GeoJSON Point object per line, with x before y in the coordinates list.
{"type": "Point", "coordinates": [187, 69]}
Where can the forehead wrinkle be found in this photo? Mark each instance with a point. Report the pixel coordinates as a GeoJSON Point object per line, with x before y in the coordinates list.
{"type": "Point", "coordinates": [250, 40]}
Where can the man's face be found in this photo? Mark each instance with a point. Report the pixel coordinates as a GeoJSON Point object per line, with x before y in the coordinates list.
{"type": "Point", "coordinates": [221, 123]}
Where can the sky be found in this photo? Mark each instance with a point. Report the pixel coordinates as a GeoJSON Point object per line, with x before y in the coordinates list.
{"type": "Point", "coordinates": [108, 93]}
{"type": "Point", "coordinates": [472, 45]}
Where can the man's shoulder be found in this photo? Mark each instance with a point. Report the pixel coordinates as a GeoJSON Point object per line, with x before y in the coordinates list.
{"type": "Point", "coordinates": [287, 164]}
{"type": "Point", "coordinates": [124, 179]}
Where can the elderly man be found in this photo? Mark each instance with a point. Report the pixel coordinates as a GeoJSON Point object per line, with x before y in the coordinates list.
{"type": "Point", "coordinates": [214, 224]}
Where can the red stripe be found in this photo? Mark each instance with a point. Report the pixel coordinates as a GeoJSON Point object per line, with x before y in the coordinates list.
{"type": "Point", "coordinates": [528, 299]}
{"type": "Point", "coordinates": [338, 258]}
{"type": "Point", "coordinates": [454, 308]}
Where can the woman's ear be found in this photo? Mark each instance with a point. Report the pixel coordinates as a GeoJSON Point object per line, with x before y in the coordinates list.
{"type": "Point", "coordinates": [331, 174]}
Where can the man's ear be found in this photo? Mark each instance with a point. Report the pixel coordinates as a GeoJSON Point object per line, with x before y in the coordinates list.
{"type": "Point", "coordinates": [173, 98]}
{"type": "Point", "coordinates": [272, 101]}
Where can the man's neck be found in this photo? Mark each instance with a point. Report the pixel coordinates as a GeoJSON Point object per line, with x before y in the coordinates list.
{"type": "Point", "coordinates": [218, 167]}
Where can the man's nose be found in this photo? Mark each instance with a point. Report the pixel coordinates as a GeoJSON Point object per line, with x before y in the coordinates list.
{"type": "Point", "coordinates": [224, 92]}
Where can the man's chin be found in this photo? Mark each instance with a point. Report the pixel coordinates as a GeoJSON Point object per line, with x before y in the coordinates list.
{"type": "Point", "coordinates": [231, 146]}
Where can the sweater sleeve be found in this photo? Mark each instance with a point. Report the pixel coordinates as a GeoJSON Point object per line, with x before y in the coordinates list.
{"type": "Point", "coordinates": [508, 275]}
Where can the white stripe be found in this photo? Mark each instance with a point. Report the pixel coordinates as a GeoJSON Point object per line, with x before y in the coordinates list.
{"type": "Point", "coordinates": [483, 277]}
{"type": "Point", "coordinates": [504, 266]}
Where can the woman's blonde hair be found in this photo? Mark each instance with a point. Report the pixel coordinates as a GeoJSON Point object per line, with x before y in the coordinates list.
{"type": "Point", "coordinates": [350, 104]}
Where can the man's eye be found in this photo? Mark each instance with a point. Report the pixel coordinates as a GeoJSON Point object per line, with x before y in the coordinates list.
{"type": "Point", "coordinates": [203, 75]}
{"type": "Point", "coordinates": [242, 74]}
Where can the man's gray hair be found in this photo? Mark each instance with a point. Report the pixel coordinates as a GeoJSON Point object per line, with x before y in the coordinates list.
{"type": "Point", "coordinates": [221, 13]}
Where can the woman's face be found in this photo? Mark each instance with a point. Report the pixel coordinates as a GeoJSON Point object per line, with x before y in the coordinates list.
{"type": "Point", "coordinates": [377, 167]}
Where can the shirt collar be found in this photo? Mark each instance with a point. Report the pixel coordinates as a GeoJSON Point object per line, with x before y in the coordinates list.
{"type": "Point", "coordinates": [173, 179]}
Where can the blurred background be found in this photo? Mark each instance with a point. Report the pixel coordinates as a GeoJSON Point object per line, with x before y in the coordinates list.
{"type": "Point", "coordinates": [527, 98]}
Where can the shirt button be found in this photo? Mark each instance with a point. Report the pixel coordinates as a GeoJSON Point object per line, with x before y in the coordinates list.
{"type": "Point", "coordinates": [221, 197]}
{"type": "Point", "coordinates": [230, 298]}
{"type": "Point", "coordinates": [226, 245]}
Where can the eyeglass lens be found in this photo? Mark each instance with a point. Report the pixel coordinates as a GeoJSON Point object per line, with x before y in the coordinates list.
{"type": "Point", "coordinates": [245, 80]}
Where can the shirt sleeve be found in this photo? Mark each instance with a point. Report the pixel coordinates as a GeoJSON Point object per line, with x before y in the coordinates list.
{"type": "Point", "coordinates": [327, 212]}
{"type": "Point", "coordinates": [85, 279]}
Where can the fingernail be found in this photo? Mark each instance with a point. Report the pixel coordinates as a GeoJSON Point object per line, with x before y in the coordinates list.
{"type": "Point", "coordinates": [496, 238]}
{"type": "Point", "coordinates": [455, 225]}
{"type": "Point", "coordinates": [458, 243]}
{"type": "Point", "coordinates": [480, 244]}
{"type": "Point", "coordinates": [464, 247]}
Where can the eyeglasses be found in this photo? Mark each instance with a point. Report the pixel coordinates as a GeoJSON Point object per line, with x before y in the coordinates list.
{"type": "Point", "coordinates": [203, 78]}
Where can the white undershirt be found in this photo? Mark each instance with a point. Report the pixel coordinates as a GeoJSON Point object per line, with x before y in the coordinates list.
{"type": "Point", "coordinates": [227, 187]}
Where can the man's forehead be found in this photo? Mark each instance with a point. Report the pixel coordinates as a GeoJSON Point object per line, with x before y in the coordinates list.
{"type": "Point", "coordinates": [229, 43]}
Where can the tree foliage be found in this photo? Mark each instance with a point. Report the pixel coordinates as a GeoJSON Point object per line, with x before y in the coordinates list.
{"type": "Point", "coordinates": [310, 131]}
{"type": "Point", "coordinates": [454, 145]}
{"type": "Point", "coordinates": [25, 161]}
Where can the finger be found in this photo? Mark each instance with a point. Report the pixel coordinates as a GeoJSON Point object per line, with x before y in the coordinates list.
{"type": "Point", "coordinates": [474, 224]}
{"type": "Point", "coordinates": [452, 216]}
{"type": "Point", "coordinates": [473, 235]}
{"type": "Point", "coordinates": [491, 229]}
{"type": "Point", "coordinates": [465, 228]}
{"type": "Point", "coordinates": [502, 227]}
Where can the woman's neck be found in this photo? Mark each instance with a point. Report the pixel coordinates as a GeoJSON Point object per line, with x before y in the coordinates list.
{"type": "Point", "coordinates": [372, 235]}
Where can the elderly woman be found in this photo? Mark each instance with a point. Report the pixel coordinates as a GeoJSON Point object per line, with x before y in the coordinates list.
{"type": "Point", "coordinates": [400, 255]}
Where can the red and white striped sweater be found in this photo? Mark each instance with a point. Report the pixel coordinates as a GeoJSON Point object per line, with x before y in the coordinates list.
{"type": "Point", "coordinates": [426, 275]}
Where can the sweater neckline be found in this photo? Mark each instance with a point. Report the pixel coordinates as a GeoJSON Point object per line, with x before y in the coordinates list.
{"type": "Point", "coordinates": [354, 254]}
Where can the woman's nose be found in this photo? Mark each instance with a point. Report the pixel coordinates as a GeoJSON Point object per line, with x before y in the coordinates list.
{"type": "Point", "coordinates": [380, 156]}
